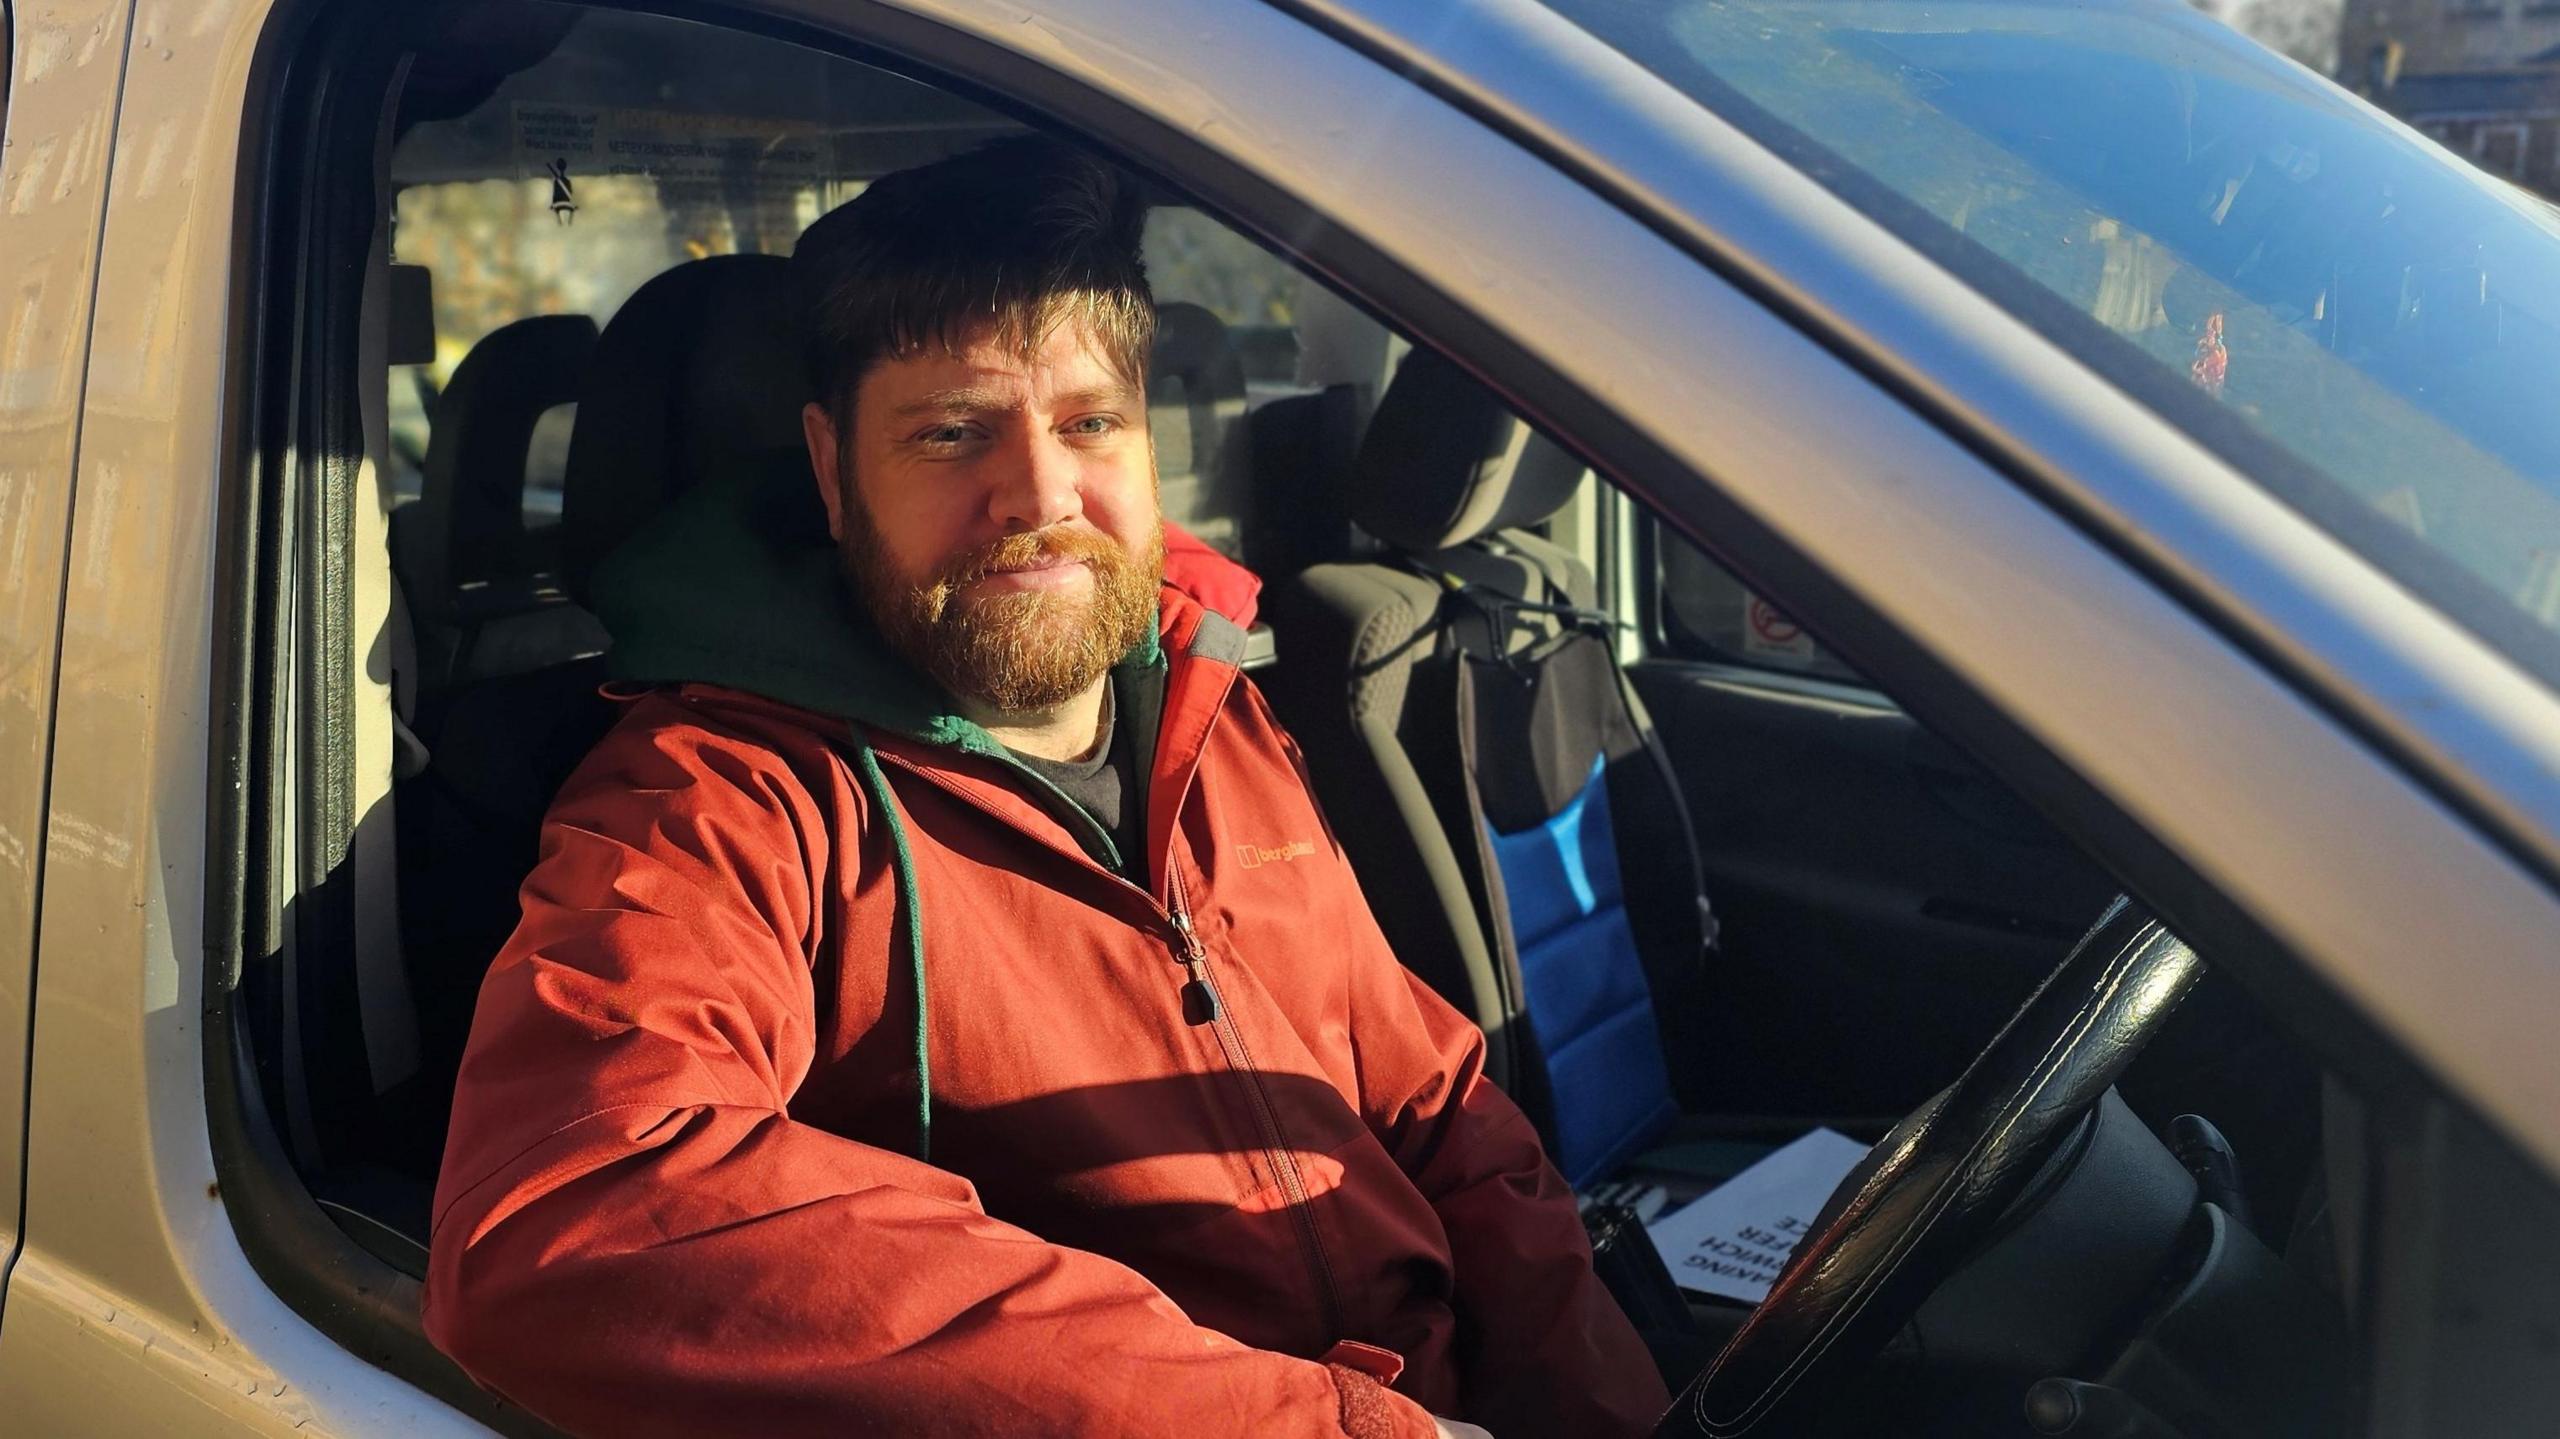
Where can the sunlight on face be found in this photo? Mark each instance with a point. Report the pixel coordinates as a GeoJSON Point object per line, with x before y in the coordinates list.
{"type": "Point", "coordinates": [1002, 523]}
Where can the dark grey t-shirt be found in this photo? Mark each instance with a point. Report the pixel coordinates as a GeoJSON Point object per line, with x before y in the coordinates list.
{"type": "Point", "coordinates": [1108, 785]}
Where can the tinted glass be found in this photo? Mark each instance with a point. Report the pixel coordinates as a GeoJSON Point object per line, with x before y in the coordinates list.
{"type": "Point", "coordinates": [2359, 320]}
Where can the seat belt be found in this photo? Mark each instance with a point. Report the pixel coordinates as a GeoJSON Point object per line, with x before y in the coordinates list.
{"type": "Point", "coordinates": [1437, 739]}
{"type": "Point", "coordinates": [1710, 928]}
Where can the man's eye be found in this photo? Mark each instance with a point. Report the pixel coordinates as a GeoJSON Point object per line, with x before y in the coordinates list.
{"type": "Point", "coordinates": [1094, 425]}
{"type": "Point", "coordinates": [945, 435]}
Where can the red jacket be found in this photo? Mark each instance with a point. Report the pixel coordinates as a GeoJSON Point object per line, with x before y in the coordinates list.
{"type": "Point", "coordinates": [1219, 583]}
{"type": "Point", "coordinates": [682, 1192]}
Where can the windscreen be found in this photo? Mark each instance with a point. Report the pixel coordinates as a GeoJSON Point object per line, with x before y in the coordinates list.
{"type": "Point", "coordinates": [2365, 324]}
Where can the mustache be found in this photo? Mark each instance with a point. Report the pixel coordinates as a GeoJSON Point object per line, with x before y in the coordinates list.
{"type": "Point", "coordinates": [1028, 550]}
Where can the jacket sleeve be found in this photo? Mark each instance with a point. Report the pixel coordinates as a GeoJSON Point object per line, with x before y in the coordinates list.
{"type": "Point", "coordinates": [633, 1237]}
{"type": "Point", "coordinates": [1543, 1349]}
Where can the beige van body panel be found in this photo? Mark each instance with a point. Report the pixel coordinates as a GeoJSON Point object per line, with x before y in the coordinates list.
{"type": "Point", "coordinates": [60, 118]}
{"type": "Point", "coordinates": [133, 1310]}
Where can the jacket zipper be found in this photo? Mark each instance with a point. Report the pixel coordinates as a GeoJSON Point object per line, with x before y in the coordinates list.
{"type": "Point", "coordinates": [1201, 1005]}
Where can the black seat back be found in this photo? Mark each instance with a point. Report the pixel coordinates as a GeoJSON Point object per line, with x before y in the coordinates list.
{"type": "Point", "coordinates": [698, 367]}
{"type": "Point", "coordinates": [470, 569]}
{"type": "Point", "coordinates": [699, 374]}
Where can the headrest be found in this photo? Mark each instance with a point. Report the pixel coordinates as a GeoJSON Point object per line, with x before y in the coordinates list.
{"type": "Point", "coordinates": [469, 520]}
{"type": "Point", "coordinates": [699, 374]}
{"type": "Point", "coordinates": [1195, 411]}
{"type": "Point", "coordinates": [1195, 380]}
{"type": "Point", "coordinates": [409, 293]}
{"type": "Point", "coordinates": [1444, 462]}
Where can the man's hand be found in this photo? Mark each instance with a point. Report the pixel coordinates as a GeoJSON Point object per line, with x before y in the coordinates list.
{"type": "Point", "coordinates": [1458, 1429]}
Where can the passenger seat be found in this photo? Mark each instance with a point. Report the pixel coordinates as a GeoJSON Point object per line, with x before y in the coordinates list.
{"type": "Point", "coordinates": [694, 371]}
{"type": "Point", "coordinates": [483, 590]}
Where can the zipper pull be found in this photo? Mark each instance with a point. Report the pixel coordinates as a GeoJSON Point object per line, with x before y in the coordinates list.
{"type": "Point", "coordinates": [1199, 996]}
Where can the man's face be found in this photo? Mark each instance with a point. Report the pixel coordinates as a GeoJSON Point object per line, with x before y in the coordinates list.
{"type": "Point", "coordinates": [1001, 519]}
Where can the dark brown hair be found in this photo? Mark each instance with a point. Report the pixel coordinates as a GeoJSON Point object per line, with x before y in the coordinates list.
{"type": "Point", "coordinates": [1023, 234]}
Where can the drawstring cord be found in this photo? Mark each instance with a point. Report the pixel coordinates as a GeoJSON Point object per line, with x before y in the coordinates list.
{"type": "Point", "coordinates": [912, 917]}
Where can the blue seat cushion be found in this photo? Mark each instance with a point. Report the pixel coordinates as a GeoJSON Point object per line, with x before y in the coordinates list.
{"type": "Point", "coordinates": [1584, 983]}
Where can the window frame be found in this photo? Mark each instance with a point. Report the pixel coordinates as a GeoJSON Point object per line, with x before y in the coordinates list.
{"type": "Point", "coordinates": [278, 809]}
{"type": "Point", "coordinates": [270, 820]}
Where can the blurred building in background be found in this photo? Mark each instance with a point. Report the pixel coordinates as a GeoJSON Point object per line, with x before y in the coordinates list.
{"type": "Point", "coordinates": [2482, 76]}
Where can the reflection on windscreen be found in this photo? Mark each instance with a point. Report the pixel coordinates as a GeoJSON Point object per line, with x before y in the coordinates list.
{"type": "Point", "coordinates": [2380, 310]}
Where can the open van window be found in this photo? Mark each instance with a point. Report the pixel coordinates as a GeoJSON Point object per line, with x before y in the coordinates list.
{"type": "Point", "coordinates": [542, 166]}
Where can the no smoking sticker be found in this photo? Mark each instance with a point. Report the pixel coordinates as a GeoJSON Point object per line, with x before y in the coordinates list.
{"type": "Point", "coordinates": [1767, 631]}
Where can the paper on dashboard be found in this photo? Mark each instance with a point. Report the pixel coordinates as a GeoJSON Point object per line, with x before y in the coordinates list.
{"type": "Point", "coordinates": [1733, 1240]}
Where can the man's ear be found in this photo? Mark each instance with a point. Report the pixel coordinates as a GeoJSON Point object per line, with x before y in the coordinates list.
{"type": "Point", "coordinates": [826, 462]}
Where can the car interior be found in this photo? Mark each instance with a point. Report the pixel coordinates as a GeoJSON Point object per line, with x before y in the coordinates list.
{"type": "Point", "coordinates": [1702, 886]}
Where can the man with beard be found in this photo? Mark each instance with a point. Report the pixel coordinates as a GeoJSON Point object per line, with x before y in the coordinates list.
{"type": "Point", "coordinates": [940, 1007]}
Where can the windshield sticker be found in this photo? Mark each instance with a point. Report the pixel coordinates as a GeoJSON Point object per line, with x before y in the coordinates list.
{"type": "Point", "coordinates": [1767, 632]}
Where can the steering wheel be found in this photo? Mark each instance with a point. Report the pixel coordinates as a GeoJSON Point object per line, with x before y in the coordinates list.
{"type": "Point", "coordinates": [1935, 1188]}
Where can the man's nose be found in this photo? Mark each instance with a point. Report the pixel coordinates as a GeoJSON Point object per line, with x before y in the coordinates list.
{"type": "Point", "coordinates": [1040, 486]}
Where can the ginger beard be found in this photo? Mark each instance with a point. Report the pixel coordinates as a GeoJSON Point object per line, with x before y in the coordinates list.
{"type": "Point", "coordinates": [1017, 653]}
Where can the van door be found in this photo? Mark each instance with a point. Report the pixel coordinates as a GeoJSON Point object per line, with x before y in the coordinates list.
{"type": "Point", "coordinates": [1885, 903]}
{"type": "Point", "coordinates": [59, 77]}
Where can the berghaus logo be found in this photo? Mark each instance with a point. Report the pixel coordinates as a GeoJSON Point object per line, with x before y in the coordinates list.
{"type": "Point", "coordinates": [1255, 856]}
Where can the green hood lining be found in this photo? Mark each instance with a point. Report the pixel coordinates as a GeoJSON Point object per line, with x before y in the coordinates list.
{"type": "Point", "coordinates": [737, 584]}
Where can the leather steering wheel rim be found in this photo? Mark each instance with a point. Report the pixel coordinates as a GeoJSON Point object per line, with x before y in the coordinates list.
{"type": "Point", "coordinates": [1936, 1187]}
